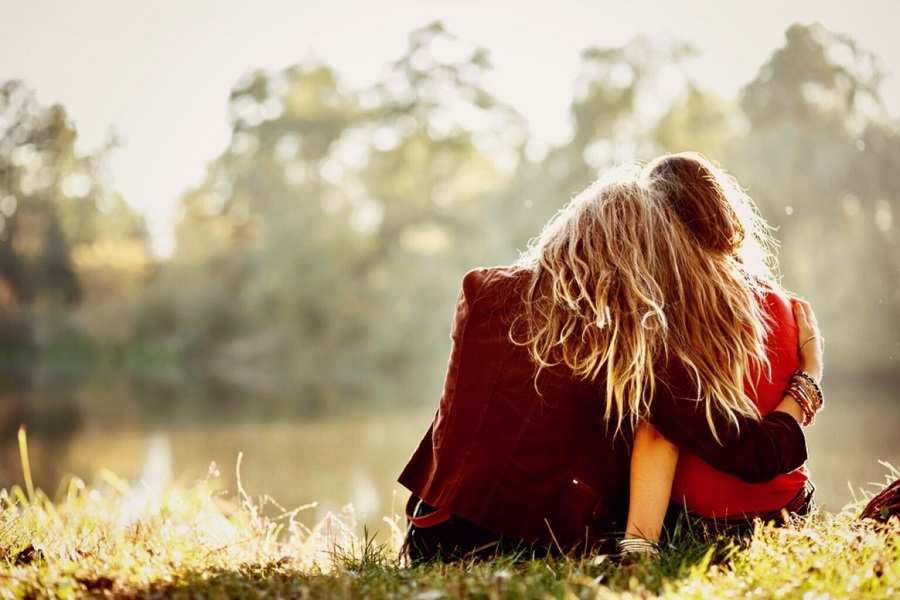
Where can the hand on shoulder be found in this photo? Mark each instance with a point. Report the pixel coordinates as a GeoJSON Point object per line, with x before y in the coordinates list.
{"type": "Point", "coordinates": [810, 341]}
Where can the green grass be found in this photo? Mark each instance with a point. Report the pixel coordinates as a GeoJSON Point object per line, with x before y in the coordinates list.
{"type": "Point", "coordinates": [111, 539]}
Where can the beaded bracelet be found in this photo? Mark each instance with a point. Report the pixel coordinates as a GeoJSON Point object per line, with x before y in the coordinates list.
{"type": "Point", "coordinates": [806, 391]}
{"type": "Point", "coordinates": [813, 385]}
{"type": "Point", "coordinates": [801, 396]}
{"type": "Point", "coordinates": [804, 399]}
{"type": "Point", "coordinates": [810, 390]}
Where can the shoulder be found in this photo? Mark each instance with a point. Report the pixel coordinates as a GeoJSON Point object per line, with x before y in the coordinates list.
{"type": "Point", "coordinates": [490, 281]}
{"type": "Point", "coordinates": [774, 299]}
{"type": "Point", "coordinates": [779, 312]}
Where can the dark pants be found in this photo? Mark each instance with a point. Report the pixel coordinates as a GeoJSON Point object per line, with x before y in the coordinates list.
{"type": "Point", "coordinates": [678, 518]}
{"type": "Point", "coordinates": [454, 539]}
{"type": "Point", "coordinates": [459, 539]}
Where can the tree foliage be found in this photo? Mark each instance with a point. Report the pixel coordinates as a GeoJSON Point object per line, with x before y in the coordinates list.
{"type": "Point", "coordinates": [65, 237]}
{"type": "Point", "coordinates": [338, 222]}
{"type": "Point", "coordinates": [820, 158]}
{"type": "Point", "coordinates": [328, 240]}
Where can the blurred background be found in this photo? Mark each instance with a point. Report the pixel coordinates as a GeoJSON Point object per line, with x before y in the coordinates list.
{"type": "Point", "coordinates": [235, 228]}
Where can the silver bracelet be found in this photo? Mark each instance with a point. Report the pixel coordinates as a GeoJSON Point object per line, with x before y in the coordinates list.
{"type": "Point", "coordinates": [637, 546]}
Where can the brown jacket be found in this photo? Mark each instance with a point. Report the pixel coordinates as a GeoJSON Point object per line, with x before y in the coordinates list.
{"type": "Point", "coordinates": [544, 467]}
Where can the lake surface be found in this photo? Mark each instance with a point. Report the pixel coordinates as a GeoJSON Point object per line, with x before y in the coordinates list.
{"type": "Point", "coordinates": [314, 445]}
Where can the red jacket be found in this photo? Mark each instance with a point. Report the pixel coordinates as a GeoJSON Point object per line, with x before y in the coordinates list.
{"type": "Point", "coordinates": [710, 493]}
{"type": "Point", "coordinates": [525, 464]}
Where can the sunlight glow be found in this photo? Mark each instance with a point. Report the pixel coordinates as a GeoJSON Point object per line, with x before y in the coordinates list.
{"type": "Point", "coordinates": [8, 205]}
{"type": "Point", "coordinates": [367, 216]}
{"type": "Point", "coordinates": [429, 238]}
{"type": "Point", "coordinates": [288, 147]}
{"type": "Point", "coordinates": [850, 204]}
{"type": "Point", "coordinates": [244, 144]}
{"type": "Point", "coordinates": [883, 216]}
{"type": "Point", "coordinates": [77, 185]}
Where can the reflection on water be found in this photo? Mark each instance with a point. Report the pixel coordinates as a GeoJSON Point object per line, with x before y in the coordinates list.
{"type": "Point", "coordinates": [156, 468]}
{"type": "Point", "coordinates": [331, 447]}
{"type": "Point", "coordinates": [299, 446]}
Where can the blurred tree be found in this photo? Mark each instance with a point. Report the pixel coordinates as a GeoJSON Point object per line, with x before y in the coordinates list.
{"type": "Point", "coordinates": [334, 231]}
{"type": "Point", "coordinates": [254, 245]}
{"type": "Point", "coordinates": [620, 96]}
{"type": "Point", "coordinates": [36, 144]}
{"type": "Point", "coordinates": [703, 122]}
{"type": "Point", "coordinates": [820, 159]}
{"type": "Point", "coordinates": [331, 235]}
{"type": "Point", "coordinates": [304, 286]}
{"type": "Point", "coordinates": [65, 238]}
{"type": "Point", "coordinates": [440, 148]}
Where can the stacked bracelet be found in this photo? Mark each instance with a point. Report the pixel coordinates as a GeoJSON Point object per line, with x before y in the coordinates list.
{"type": "Point", "coordinates": [806, 391]}
{"type": "Point", "coordinates": [637, 546]}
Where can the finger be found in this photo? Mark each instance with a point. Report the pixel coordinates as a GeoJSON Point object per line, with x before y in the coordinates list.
{"type": "Point", "coordinates": [802, 304]}
{"type": "Point", "coordinates": [800, 313]}
{"type": "Point", "coordinates": [810, 314]}
{"type": "Point", "coordinates": [805, 308]}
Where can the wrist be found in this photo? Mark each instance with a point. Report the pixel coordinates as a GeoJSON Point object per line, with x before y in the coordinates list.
{"type": "Point", "coordinates": [814, 369]}
{"type": "Point", "coordinates": [638, 546]}
{"type": "Point", "coordinates": [790, 406]}
{"type": "Point", "coordinates": [805, 390]}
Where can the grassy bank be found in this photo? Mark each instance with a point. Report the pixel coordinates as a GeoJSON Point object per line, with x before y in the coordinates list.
{"type": "Point", "coordinates": [108, 538]}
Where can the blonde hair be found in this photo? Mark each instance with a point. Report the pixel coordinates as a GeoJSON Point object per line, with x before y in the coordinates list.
{"type": "Point", "coordinates": [594, 303]}
{"type": "Point", "coordinates": [646, 266]}
{"type": "Point", "coordinates": [720, 260]}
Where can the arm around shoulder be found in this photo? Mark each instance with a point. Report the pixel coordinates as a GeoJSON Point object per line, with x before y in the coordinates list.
{"type": "Point", "coordinates": [754, 449]}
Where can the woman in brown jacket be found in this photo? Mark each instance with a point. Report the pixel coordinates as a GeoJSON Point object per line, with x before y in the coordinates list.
{"type": "Point", "coordinates": [553, 362]}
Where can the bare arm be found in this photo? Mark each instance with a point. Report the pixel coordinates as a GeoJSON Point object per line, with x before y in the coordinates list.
{"type": "Point", "coordinates": [756, 451]}
{"type": "Point", "coordinates": [654, 458]}
{"type": "Point", "coordinates": [653, 461]}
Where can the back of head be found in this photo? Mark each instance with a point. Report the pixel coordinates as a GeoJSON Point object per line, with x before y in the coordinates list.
{"type": "Point", "coordinates": [696, 193]}
{"type": "Point", "coordinates": [594, 305]}
{"type": "Point", "coordinates": [720, 262]}
{"type": "Point", "coordinates": [711, 205]}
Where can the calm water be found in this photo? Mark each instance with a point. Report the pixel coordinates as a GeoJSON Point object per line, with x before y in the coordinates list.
{"type": "Point", "coordinates": [331, 447]}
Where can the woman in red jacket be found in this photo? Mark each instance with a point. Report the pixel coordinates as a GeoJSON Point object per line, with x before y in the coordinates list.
{"type": "Point", "coordinates": [554, 362]}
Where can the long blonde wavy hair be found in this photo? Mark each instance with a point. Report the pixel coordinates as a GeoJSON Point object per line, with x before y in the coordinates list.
{"type": "Point", "coordinates": [721, 257]}
{"type": "Point", "coordinates": [594, 303]}
{"type": "Point", "coordinates": [647, 265]}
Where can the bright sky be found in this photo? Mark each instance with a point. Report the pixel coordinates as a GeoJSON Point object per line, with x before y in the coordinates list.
{"type": "Point", "coordinates": [160, 71]}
